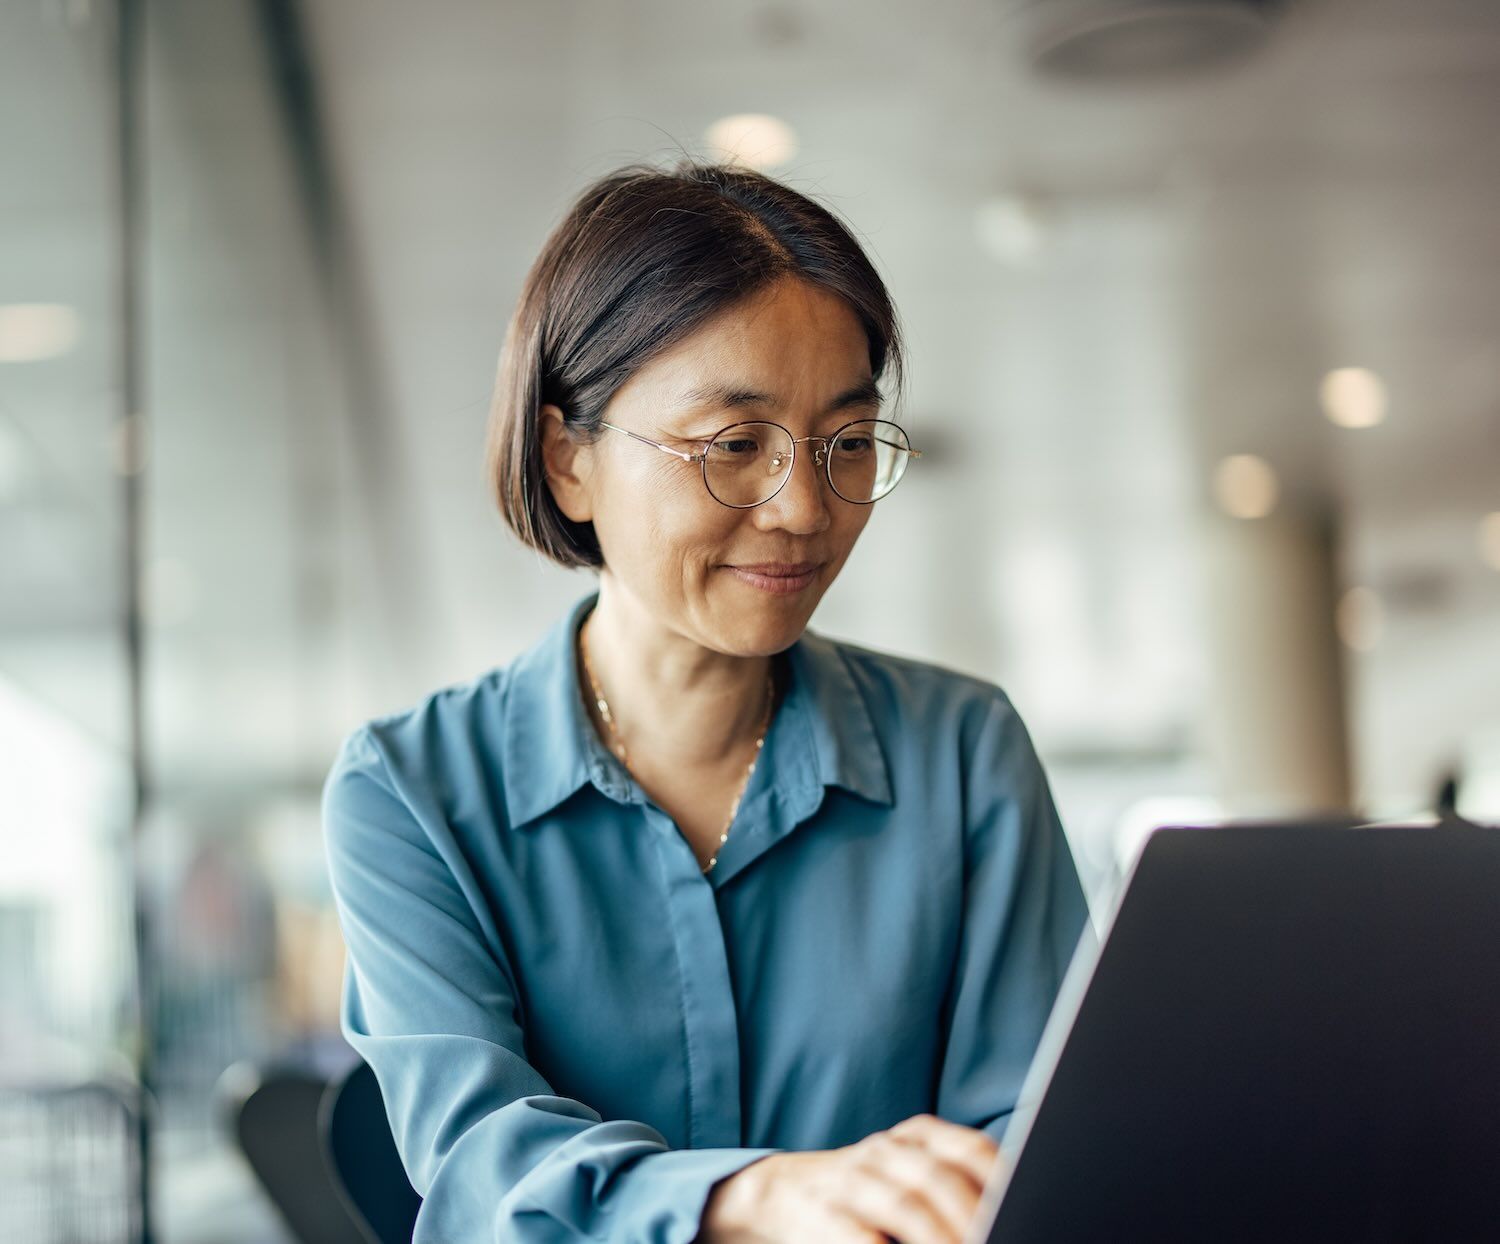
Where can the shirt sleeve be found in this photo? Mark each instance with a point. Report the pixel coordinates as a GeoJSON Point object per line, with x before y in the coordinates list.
{"type": "Point", "coordinates": [430, 1003]}
{"type": "Point", "coordinates": [1024, 913]}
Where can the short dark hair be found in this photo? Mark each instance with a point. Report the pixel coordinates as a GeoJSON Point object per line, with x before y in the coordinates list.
{"type": "Point", "coordinates": [642, 258]}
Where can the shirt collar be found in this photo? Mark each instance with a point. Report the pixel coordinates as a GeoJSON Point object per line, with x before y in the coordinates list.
{"type": "Point", "coordinates": [550, 747]}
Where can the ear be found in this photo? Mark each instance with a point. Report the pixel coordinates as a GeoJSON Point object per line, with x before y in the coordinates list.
{"type": "Point", "coordinates": [567, 466]}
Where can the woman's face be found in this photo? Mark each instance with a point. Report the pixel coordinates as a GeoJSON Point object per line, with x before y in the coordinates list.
{"type": "Point", "coordinates": [670, 545]}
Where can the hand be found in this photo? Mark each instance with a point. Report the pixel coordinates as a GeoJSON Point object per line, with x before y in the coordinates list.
{"type": "Point", "coordinates": [917, 1182]}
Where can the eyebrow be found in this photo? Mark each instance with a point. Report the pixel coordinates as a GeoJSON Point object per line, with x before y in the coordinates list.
{"type": "Point", "coordinates": [737, 397]}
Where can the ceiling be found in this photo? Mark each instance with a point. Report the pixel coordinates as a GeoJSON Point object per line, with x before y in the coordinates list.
{"type": "Point", "coordinates": [324, 548]}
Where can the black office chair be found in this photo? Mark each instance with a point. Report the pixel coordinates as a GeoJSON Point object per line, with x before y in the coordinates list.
{"type": "Point", "coordinates": [361, 1155]}
{"type": "Point", "coordinates": [272, 1113]}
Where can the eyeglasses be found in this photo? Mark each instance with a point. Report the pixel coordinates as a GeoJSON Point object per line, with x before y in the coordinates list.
{"type": "Point", "coordinates": [746, 464]}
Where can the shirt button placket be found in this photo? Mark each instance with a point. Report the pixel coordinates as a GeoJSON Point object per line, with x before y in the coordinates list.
{"type": "Point", "coordinates": [709, 1014]}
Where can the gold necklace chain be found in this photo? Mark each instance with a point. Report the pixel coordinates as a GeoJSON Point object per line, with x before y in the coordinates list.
{"type": "Point", "coordinates": [609, 720]}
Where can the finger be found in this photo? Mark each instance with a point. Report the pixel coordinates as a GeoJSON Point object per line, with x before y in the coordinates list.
{"type": "Point", "coordinates": [899, 1210]}
{"type": "Point", "coordinates": [949, 1185]}
{"type": "Point", "coordinates": [841, 1227]}
{"type": "Point", "coordinates": [968, 1147]}
{"type": "Point", "coordinates": [975, 1152]}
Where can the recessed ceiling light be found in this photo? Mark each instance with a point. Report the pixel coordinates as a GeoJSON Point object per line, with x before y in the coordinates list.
{"type": "Point", "coordinates": [1353, 397]}
{"type": "Point", "coordinates": [1245, 486]}
{"type": "Point", "coordinates": [754, 139]}
{"type": "Point", "coordinates": [32, 331]}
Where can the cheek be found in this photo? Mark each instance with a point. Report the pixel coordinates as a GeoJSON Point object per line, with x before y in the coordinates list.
{"type": "Point", "coordinates": [676, 522]}
{"type": "Point", "coordinates": [650, 497]}
{"type": "Point", "coordinates": [661, 483]}
{"type": "Point", "coordinates": [852, 521]}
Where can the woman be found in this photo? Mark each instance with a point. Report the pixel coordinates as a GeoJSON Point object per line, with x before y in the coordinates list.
{"type": "Point", "coordinates": [690, 923]}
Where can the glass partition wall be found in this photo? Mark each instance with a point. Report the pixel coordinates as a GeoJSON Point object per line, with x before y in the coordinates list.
{"type": "Point", "coordinates": [71, 1037]}
{"type": "Point", "coordinates": [171, 494]}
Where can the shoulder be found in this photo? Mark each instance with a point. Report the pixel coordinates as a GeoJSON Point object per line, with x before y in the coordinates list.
{"type": "Point", "coordinates": [428, 735]}
{"type": "Point", "coordinates": [953, 739]}
{"type": "Point", "coordinates": [399, 779]}
{"type": "Point", "coordinates": [912, 691]}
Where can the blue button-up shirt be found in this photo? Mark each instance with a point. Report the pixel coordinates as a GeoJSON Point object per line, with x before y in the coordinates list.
{"type": "Point", "coordinates": [577, 1031]}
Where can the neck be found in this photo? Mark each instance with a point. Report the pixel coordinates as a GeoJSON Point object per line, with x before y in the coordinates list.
{"type": "Point", "coordinates": [676, 703]}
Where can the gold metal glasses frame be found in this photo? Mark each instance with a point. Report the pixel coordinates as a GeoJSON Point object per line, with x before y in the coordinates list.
{"type": "Point", "coordinates": [820, 456]}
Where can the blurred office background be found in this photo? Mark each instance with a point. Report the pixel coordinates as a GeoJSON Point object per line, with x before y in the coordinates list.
{"type": "Point", "coordinates": [1205, 362]}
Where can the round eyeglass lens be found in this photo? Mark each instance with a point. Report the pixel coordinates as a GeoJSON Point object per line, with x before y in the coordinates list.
{"type": "Point", "coordinates": [746, 464]}
{"type": "Point", "coordinates": [867, 459]}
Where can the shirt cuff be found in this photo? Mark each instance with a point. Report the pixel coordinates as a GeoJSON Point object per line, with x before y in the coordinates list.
{"type": "Point", "coordinates": [660, 1200]}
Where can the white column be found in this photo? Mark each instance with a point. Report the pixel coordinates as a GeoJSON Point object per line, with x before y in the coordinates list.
{"type": "Point", "coordinates": [1278, 720]}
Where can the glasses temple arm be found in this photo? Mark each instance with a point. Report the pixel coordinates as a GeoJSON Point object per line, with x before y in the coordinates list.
{"type": "Point", "coordinates": [646, 440]}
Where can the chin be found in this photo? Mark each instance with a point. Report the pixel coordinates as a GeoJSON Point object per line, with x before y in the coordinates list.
{"type": "Point", "coordinates": [774, 631]}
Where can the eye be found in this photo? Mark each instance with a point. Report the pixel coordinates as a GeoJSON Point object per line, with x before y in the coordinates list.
{"type": "Point", "coordinates": [855, 444]}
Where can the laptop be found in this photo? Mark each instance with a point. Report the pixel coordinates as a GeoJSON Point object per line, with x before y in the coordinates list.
{"type": "Point", "coordinates": [1286, 1031]}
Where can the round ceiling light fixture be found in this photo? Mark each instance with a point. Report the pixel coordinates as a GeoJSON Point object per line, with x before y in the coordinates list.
{"type": "Point", "coordinates": [1122, 40]}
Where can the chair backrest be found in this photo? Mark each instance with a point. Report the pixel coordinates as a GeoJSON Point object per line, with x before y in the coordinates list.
{"type": "Point", "coordinates": [273, 1115]}
{"type": "Point", "coordinates": [361, 1154]}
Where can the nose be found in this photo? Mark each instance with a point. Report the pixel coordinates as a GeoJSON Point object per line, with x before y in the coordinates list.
{"type": "Point", "coordinates": [818, 450]}
{"type": "Point", "coordinates": [802, 503]}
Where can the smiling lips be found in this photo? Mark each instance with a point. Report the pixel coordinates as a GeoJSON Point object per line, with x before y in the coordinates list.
{"type": "Point", "coordinates": [787, 570]}
{"type": "Point", "coordinates": [778, 578]}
